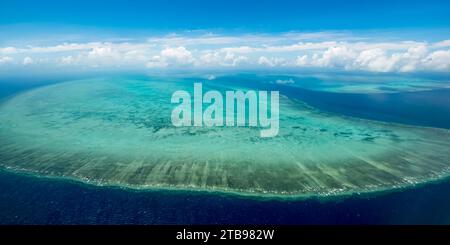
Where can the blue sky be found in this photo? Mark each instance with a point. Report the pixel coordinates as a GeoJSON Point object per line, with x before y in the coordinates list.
{"type": "Point", "coordinates": [261, 15]}
{"type": "Point", "coordinates": [375, 36]}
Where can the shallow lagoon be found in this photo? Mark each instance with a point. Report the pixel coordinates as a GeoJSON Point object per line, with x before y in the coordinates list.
{"type": "Point", "coordinates": [118, 132]}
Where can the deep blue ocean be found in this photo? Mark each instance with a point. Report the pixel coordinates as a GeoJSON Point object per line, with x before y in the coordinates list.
{"type": "Point", "coordinates": [26, 199]}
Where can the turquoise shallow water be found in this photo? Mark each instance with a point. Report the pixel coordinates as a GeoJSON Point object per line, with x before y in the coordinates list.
{"type": "Point", "coordinates": [26, 199]}
{"type": "Point", "coordinates": [117, 131]}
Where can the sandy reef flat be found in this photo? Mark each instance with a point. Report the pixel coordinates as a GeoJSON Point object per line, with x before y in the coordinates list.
{"type": "Point", "coordinates": [118, 132]}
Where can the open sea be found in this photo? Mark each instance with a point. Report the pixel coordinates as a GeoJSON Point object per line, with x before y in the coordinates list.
{"type": "Point", "coordinates": [27, 199]}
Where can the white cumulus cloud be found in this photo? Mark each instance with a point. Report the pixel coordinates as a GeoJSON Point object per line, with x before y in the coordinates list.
{"type": "Point", "coordinates": [28, 61]}
{"type": "Point", "coordinates": [5, 60]}
{"type": "Point", "coordinates": [336, 51]}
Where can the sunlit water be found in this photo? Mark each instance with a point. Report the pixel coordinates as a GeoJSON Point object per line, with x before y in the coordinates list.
{"type": "Point", "coordinates": [118, 132]}
{"type": "Point", "coordinates": [30, 199]}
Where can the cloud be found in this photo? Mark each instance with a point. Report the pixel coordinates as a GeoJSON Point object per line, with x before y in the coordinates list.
{"type": "Point", "coordinates": [337, 51]}
{"type": "Point", "coordinates": [8, 50]}
{"type": "Point", "coordinates": [156, 62]}
{"type": "Point", "coordinates": [438, 60]}
{"type": "Point", "coordinates": [302, 60]}
{"type": "Point", "coordinates": [28, 61]}
{"type": "Point", "coordinates": [445, 43]}
{"type": "Point", "coordinates": [102, 51]}
{"type": "Point", "coordinates": [220, 58]}
{"type": "Point", "coordinates": [263, 60]}
{"type": "Point", "coordinates": [234, 60]}
{"type": "Point", "coordinates": [335, 57]}
{"type": "Point", "coordinates": [179, 55]}
{"type": "Point", "coordinates": [375, 59]}
{"type": "Point", "coordinates": [241, 49]}
{"type": "Point", "coordinates": [272, 61]}
{"type": "Point", "coordinates": [169, 56]}
{"type": "Point", "coordinates": [68, 60]}
{"type": "Point", "coordinates": [6, 60]}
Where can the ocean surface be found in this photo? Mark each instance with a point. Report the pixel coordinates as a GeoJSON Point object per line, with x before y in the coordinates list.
{"type": "Point", "coordinates": [27, 199]}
